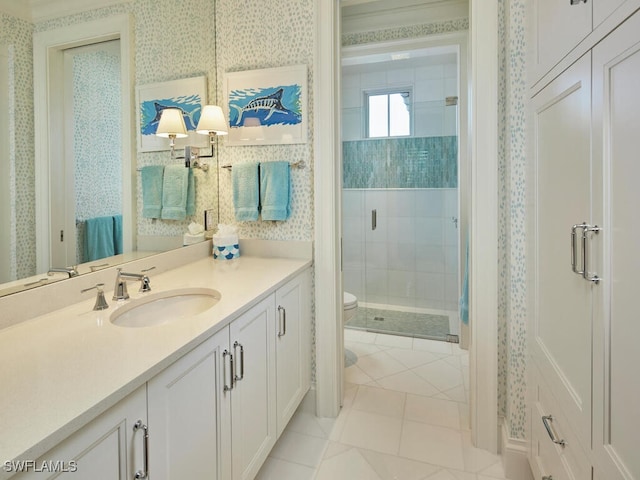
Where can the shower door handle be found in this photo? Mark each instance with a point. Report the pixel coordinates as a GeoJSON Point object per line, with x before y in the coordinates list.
{"type": "Point", "coordinates": [374, 219]}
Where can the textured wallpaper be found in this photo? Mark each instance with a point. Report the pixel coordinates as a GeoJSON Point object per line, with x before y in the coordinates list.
{"type": "Point", "coordinates": [17, 36]}
{"type": "Point", "coordinates": [170, 43]}
{"type": "Point", "coordinates": [412, 31]}
{"type": "Point", "coordinates": [515, 254]}
{"type": "Point", "coordinates": [255, 35]}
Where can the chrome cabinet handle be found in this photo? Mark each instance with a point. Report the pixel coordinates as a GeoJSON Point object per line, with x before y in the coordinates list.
{"type": "Point", "coordinates": [585, 254]}
{"type": "Point", "coordinates": [225, 354]}
{"type": "Point", "coordinates": [374, 219]}
{"type": "Point", "coordinates": [577, 2]}
{"type": "Point", "coordinates": [237, 377]}
{"type": "Point", "coordinates": [547, 477]}
{"type": "Point", "coordinates": [573, 249]}
{"type": "Point", "coordinates": [282, 317]}
{"type": "Point", "coordinates": [546, 420]}
{"type": "Point", "coordinates": [144, 473]}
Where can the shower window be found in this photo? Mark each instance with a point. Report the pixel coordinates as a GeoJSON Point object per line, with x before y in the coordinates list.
{"type": "Point", "coordinates": [388, 113]}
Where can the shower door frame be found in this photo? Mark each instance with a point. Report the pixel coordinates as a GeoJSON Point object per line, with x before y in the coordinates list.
{"type": "Point", "coordinates": [446, 42]}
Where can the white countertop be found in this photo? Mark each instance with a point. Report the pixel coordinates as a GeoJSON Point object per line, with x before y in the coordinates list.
{"type": "Point", "coordinates": [60, 370]}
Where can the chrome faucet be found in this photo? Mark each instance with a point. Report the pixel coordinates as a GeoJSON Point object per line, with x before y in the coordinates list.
{"type": "Point", "coordinates": [120, 289]}
{"type": "Point", "coordinates": [101, 303]}
{"type": "Point", "coordinates": [71, 271]}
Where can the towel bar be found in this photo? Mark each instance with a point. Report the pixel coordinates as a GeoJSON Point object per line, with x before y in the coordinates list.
{"type": "Point", "coordinates": [298, 164]}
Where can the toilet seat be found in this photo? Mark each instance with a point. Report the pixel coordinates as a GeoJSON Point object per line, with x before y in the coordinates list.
{"type": "Point", "coordinates": [350, 301]}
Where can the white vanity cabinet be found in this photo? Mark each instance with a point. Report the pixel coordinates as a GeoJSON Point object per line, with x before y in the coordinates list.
{"type": "Point", "coordinates": [271, 346]}
{"type": "Point", "coordinates": [293, 344]}
{"type": "Point", "coordinates": [216, 412]}
{"type": "Point", "coordinates": [253, 393]}
{"type": "Point", "coordinates": [189, 415]}
{"type": "Point", "coordinates": [108, 448]}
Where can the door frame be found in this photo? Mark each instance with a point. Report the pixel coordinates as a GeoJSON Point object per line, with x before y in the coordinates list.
{"type": "Point", "coordinates": [483, 275]}
{"type": "Point", "coordinates": [48, 65]}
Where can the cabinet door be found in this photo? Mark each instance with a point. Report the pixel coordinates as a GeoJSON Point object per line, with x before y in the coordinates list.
{"type": "Point", "coordinates": [616, 69]}
{"type": "Point", "coordinates": [292, 346]}
{"type": "Point", "coordinates": [559, 27]}
{"type": "Point", "coordinates": [189, 427]}
{"type": "Point", "coordinates": [253, 419]}
{"type": "Point", "coordinates": [108, 448]}
{"type": "Point", "coordinates": [562, 315]}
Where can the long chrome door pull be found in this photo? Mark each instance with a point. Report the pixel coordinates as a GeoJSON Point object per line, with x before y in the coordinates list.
{"type": "Point", "coordinates": [282, 317]}
{"type": "Point", "coordinates": [546, 420]}
{"type": "Point", "coordinates": [374, 219]}
{"type": "Point", "coordinates": [144, 473]}
{"type": "Point", "coordinates": [237, 377]}
{"type": "Point", "coordinates": [226, 354]}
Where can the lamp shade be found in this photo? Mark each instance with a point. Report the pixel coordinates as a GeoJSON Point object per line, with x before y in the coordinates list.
{"type": "Point", "coordinates": [212, 120]}
{"type": "Point", "coordinates": [171, 123]}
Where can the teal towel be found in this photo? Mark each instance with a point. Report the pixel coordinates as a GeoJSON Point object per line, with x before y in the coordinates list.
{"type": "Point", "coordinates": [175, 192]}
{"type": "Point", "coordinates": [98, 238]}
{"type": "Point", "coordinates": [191, 194]}
{"type": "Point", "coordinates": [246, 195]}
{"type": "Point", "coordinates": [275, 190]}
{"type": "Point", "coordinates": [117, 234]}
{"type": "Point", "coordinates": [152, 177]}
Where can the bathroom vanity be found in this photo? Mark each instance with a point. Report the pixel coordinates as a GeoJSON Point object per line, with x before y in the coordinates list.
{"type": "Point", "coordinates": [200, 396]}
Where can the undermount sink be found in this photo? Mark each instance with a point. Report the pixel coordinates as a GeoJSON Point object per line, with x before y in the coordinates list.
{"type": "Point", "coordinates": [163, 307]}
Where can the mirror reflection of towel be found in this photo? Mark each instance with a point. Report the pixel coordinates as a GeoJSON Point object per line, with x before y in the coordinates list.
{"type": "Point", "coordinates": [98, 238]}
{"type": "Point", "coordinates": [175, 192]}
{"type": "Point", "coordinates": [151, 177]}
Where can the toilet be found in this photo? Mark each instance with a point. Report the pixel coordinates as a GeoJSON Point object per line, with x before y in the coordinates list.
{"type": "Point", "coordinates": [350, 307]}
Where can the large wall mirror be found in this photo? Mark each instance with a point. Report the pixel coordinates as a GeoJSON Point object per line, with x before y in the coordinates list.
{"type": "Point", "coordinates": [68, 76]}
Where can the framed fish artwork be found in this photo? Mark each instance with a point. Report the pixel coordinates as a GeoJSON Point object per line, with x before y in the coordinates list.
{"type": "Point", "coordinates": [268, 106]}
{"type": "Point", "coordinates": [188, 94]}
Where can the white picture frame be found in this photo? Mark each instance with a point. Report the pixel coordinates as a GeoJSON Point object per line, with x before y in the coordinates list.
{"type": "Point", "coordinates": [267, 106]}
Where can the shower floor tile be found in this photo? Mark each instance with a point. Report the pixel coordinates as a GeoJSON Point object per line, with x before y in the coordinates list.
{"type": "Point", "coordinates": [420, 325]}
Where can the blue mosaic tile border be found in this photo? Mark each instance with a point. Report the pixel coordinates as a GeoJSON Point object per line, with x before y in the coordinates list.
{"type": "Point", "coordinates": [416, 162]}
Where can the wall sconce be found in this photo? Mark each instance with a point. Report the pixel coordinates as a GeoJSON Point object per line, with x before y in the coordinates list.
{"type": "Point", "coordinates": [172, 126]}
{"type": "Point", "coordinates": [212, 123]}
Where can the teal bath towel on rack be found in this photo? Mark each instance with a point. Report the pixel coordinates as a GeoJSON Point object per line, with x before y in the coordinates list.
{"type": "Point", "coordinates": [98, 238]}
{"type": "Point", "coordinates": [275, 190]}
{"type": "Point", "coordinates": [246, 196]}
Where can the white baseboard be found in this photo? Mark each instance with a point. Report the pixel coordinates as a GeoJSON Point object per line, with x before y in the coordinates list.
{"type": "Point", "coordinates": [514, 456]}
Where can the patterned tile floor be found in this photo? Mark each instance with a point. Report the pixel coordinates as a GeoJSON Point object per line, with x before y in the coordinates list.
{"type": "Point", "coordinates": [405, 417]}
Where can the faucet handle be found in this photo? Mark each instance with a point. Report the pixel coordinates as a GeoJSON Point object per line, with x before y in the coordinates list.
{"type": "Point", "coordinates": [120, 289]}
{"type": "Point", "coordinates": [148, 269]}
{"type": "Point", "coordinates": [101, 303]}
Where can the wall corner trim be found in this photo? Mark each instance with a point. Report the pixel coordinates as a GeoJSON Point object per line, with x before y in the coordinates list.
{"type": "Point", "coordinates": [514, 455]}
